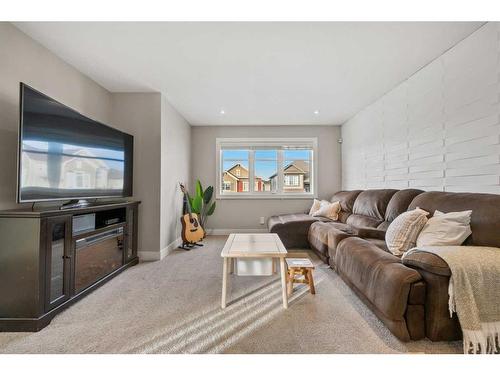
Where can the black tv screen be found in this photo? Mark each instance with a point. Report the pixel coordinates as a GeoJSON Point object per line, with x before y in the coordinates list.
{"type": "Point", "coordinates": [64, 155]}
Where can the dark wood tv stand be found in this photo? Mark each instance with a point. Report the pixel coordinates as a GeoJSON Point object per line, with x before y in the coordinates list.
{"type": "Point", "coordinates": [45, 266]}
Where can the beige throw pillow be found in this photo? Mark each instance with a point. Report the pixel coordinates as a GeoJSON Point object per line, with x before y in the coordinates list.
{"type": "Point", "coordinates": [329, 210]}
{"type": "Point", "coordinates": [450, 229]}
{"type": "Point", "coordinates": [404, 229]}
{"type": "Point", "coordinates": [315, 206]}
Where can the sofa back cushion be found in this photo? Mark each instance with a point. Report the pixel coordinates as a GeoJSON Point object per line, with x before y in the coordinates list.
{"type": "Point", "coordinates": [397, 205]}
{"type": "Point", "coordinates": [485, 218]}
{"type": "Point", "coordinates": [369, 208]}
{"type": "Point", "coordinates": [346, 200]}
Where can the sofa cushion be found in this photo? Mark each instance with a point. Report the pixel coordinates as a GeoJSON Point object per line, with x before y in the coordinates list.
{"type": "Point", "coordinates": [356, 220]}
{"type": "Point", "coordinates": [340, 226]}
{"type": "Point", "coordinates": [346, 200]}
{"type": "Point", "coordinates": [318, 237]}
{"type": "Point", "coordinates": [334, 236]}
{"type": "Point", "coordinates": [369, 208]}
{"type": "Point", "coordinates": [377, 274]}
{"type": "Point", "coordinates": [397, 205]}
{"type": "Point", "coordinates": [373, 203]}
{"type": "Point", "coordinates": [288, 218]}
{"type": "Point", "coordinates": [364, 232]}
{"type": "Point", "coordinates": [379, 243]}
{"type": "Point", "coordinates": [292, 228]}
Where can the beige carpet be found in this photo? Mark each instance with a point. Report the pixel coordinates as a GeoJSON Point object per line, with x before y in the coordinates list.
{"type": "Point", "coordinates": [172, 306]}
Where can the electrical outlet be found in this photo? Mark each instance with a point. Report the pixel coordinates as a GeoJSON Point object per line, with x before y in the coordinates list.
{"type": "Point", "coordinates": [262, 220]}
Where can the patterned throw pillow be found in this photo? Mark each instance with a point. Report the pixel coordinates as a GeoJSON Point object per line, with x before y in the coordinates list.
{"type": "Point", "coordinates": [315, 207]}
{"type": "Point", "coordinates": [404, 229]}
{"type": "Point", "coordinates": [329, 210]}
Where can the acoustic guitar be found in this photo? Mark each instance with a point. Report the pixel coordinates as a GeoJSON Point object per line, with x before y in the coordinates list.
{"type": "Point", "coordinates": [192, 232]}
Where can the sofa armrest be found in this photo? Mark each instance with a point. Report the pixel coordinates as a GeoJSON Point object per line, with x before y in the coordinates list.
{"type": "Point", "coordinates": [428, 262]}
{"type": "Point", "coordinates": [436, 274]}
{"type": "Point", "coordinates": [365, 232]}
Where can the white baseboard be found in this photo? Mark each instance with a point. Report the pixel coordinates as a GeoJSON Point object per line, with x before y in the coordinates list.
{"type": "Point", "coordinates": [223, 232]}
{"type": "Point", "coordinates": [151, 256]}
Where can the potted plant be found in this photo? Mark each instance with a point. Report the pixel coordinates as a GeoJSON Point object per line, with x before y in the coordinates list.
{"type": "Point", "coordinates": [202, 204]}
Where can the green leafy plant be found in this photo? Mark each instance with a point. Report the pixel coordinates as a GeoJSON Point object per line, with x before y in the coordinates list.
{"type": "Point", "coordinates": [201, 202]}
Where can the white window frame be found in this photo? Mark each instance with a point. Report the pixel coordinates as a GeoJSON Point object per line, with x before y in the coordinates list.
{"type": "Point", "coordinates": [266, 142]}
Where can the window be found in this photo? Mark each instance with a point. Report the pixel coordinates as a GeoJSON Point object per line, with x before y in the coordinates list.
{"type": "Point", "coordinates": [266, 168]}
{"type": "Point", "coordinates": [292, 180]}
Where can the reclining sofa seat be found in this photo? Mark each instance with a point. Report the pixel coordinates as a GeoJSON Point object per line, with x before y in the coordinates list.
{"type": "Point", "coordinates": [397, 205]}
{"type": "Point", "coordinates": [485, 226]}
{"type": "Point", "coordinates": [293, 228]}
{"type": "Point", "coordinates": [368, 211]}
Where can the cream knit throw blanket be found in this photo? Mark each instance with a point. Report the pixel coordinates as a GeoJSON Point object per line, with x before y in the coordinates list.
{"type": "Point", "coordinates": [474, 293]}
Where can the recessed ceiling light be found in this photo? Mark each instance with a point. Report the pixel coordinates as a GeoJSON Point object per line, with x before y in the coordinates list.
{"type": "Point", "coordinates": [316, 112]}
{"type": "Point", "coordinates": [222, 112]}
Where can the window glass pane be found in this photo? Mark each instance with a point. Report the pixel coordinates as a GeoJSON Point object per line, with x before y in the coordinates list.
{"type": "Point", "coordinates": [235, 176]}
{"type": "Point", "coordinates": [235, 154]}
{"type": "Point", "coordinates": [297, 154]}
{"type": "Point", "coordinates": [266, 154]}
{"type": "Point", "coordinates": [265, 172]}
{"type": "Point", "coordinates": [296, 176]}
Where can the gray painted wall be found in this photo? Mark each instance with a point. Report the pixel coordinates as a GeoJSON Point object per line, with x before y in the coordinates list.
{"type": "Point", "coordinates": [245, 213]}
{"type": "Point", "coordinates": [140, 115]}
{"type": "Point", "coordinates": [23, 59]}
{"type": "Point", "coordinates": [438, 130]}
{"type": "Point", "coordinates": [175, 168]}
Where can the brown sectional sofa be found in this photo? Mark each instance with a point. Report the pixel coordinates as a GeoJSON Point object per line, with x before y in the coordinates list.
{"type": "Point", "coordinates": [410, 297]}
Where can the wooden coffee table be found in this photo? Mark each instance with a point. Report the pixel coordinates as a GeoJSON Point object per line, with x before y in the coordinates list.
{"type": "Point", "coordinates": [253, 245]}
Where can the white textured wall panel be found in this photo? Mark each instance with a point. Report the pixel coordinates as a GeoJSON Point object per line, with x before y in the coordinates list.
{"type": "Point", "coordinates": [438, 130]}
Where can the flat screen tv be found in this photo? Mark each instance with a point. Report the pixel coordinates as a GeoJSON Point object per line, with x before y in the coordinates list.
{"type": "Point", "coordinates": [66, 156]}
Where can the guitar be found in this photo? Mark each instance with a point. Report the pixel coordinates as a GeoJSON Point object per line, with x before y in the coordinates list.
{"type": "Point", "coordinates": [192, 232]}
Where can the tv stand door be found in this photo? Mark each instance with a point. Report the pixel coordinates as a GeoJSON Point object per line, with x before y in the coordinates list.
{"type": "Point", "coordinates": [131, 234]}
{"type": "Point", "coordinates": [58, 256]}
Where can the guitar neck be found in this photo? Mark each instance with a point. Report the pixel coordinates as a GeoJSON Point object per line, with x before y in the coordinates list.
{"type": "Point", "coordinates": [188, 204]}
{"type": "Point", "coordinates": [188, 201]}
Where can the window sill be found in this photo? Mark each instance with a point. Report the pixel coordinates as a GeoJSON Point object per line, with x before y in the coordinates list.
{"type": "Point", "coordinates": [265, 196]}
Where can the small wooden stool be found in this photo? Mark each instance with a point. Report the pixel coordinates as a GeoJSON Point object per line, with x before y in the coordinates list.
{"type": "Point", "coordinates": [303, 268]}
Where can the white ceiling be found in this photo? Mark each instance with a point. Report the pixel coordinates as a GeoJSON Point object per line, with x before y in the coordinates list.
{"type": "Point", "coordinates": [258, 73]}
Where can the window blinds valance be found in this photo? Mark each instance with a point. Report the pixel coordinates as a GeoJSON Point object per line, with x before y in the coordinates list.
{"type": "Point", "coordinates": [269, 144]}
